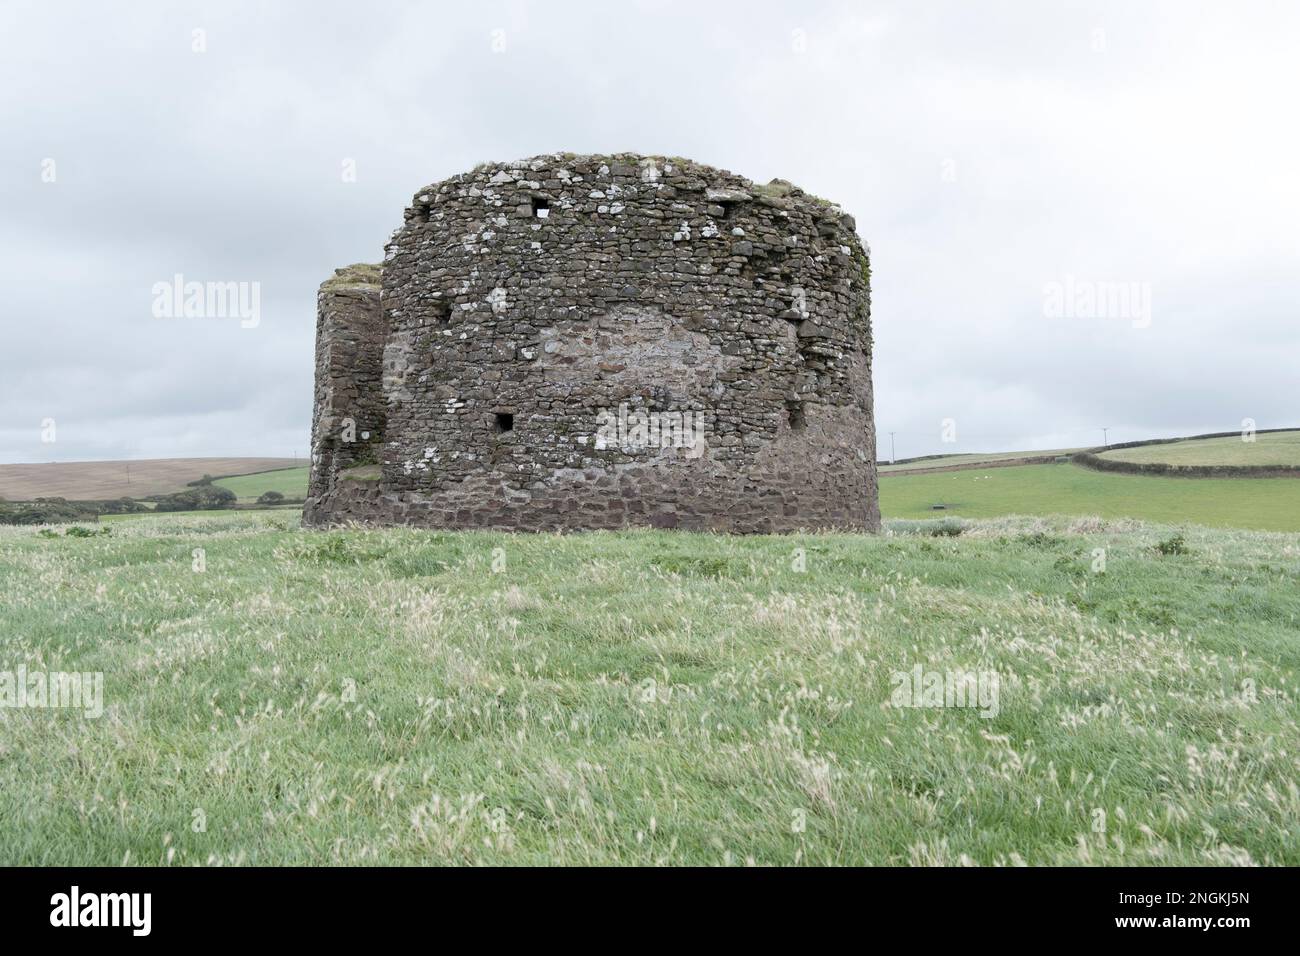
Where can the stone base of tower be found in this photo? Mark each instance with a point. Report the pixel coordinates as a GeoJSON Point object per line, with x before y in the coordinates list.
{"type": "Point", "coordinates": [821, 493]}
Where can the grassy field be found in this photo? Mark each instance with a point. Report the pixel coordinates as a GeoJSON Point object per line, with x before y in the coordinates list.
{"type": "Point", "coordinates": [404, 696]}
{"type": "Point", "coordinates": [99, 480]}
{"type": "Point", "coordinates": [1273, 448]}
{"type": "Point", "coordinates": [290, 482]}
{"type": "Point", "coordinates": [947, 461]}
{"type": "Point", "coordinates": [1268, 504]}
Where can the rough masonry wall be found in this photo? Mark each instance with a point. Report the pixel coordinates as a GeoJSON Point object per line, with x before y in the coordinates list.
{"type": "Point", "coordinates": [529, 303]}
{"type": "Point", "coordinates": [349, 412]}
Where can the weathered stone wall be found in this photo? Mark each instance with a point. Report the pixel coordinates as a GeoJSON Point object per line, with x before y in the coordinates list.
{"type": "Point", "coordinates": [348, 421]}
{"type": "Point", "coordinates": [527, 303]}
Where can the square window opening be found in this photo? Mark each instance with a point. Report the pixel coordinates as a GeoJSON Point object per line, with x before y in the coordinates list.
{"type": "Point", "coordinates": [441, 310]}
{"type": "Point", "coordinates": [503, 422]}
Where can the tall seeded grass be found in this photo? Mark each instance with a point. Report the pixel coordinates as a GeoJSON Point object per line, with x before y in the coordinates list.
{"type": "Point", "coordinates": [411, 697]}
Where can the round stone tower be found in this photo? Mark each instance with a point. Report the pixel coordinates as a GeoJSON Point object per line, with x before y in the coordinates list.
{"type": "Point", "coordinates": [577, 342]}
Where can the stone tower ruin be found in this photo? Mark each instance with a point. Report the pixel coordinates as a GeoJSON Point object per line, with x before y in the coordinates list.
{"type": "Point", "coordinates": [571, 342]}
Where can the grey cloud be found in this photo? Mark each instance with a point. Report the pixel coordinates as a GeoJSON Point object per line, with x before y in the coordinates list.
{"type": "Point", "coordinates": [985, 151]}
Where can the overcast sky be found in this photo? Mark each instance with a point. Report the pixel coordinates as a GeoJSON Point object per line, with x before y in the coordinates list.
{"type": "Point", "coordinates": [993, 154]}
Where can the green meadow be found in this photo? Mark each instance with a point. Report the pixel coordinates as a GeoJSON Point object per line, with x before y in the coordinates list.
{"type": "Point", "coordinates": [276, 696]}
{"type": "Point", "coordinates": [290, 482]}
{"type": "Point", "coordinates": [1266, 504]}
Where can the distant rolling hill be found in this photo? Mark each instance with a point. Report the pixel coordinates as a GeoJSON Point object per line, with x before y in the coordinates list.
{"type": "Point", "coordinates": [992, 459]}
{"type": "Point", "coordinates": [97, 480]}
{"type": "Point", "coordinates": [1056, 483]}
{"type": "Point", "coordinates": [1273, 447]}
{"type": "Point", "coordinates": [1267, 448]}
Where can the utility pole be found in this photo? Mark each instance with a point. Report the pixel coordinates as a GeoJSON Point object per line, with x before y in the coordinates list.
{"type": "Point", "coordinates": [891, 448]}
{"type": "Point", "coordinates": [1105, 442]}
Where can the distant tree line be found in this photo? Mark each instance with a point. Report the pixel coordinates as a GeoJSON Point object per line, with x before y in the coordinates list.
{"type": "Point", "coordinates": [199, 495]}
{"type": "Point", "coordinates": [60, 510]}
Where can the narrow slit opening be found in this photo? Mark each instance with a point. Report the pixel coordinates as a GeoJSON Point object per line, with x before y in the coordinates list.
{"type": "Point", "coordinates": [794, 415]}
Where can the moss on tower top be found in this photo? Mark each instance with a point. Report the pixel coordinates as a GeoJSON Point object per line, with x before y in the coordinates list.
{"type": "Point", "coordinates": [357, 274]}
